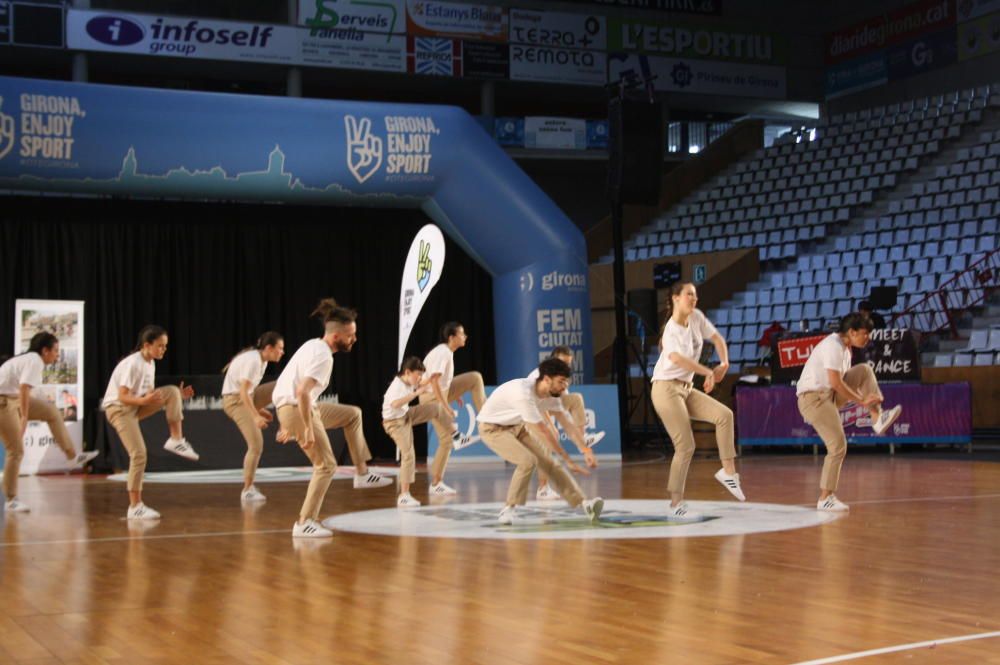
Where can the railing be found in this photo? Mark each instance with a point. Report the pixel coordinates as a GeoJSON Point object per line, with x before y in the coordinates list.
{"type": "Point", "coordinates": [940, 310]}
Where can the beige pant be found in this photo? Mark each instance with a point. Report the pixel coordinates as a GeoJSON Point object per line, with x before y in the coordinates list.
{"type": "Point", "coordinates": [325, 416]}
{"type": "Point", "coordinates": [573, 403]}
{"type": "Point", "coordinates": [10, 433]}
{"type": "Point", "coordinates": [233, 407]}
{"type": "Point", "coordinates": [401, 432]}
{"type": "Point", "coordinates": [677, 403]}
{"type": "Point", "coordinates": [125, 420]}
{"type": "Point", "coordinates": [516, 445]}
{"type": "Point", "coordinates": [444, 425]}
{"type": "Point", "coordinates": [821, 409]}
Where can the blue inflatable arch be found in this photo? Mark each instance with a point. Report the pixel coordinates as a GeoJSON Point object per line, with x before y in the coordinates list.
{"type": "Point", "coordinates": [97, 139]}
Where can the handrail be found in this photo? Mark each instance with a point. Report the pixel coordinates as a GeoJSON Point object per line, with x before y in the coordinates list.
{"type": "Point", "coordinates": [939, 310]}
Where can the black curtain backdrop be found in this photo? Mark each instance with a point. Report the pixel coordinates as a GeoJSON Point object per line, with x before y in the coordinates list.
{"type": "Point", "coordinates": [217, 275]}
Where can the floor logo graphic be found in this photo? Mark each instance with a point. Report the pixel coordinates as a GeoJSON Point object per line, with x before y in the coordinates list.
{"type": "Point", "coordinates": [621, 519]}
{"type": "Point", "coordinates": [6, 132]}
{"type": "Point", "coordinates": [364, 149]}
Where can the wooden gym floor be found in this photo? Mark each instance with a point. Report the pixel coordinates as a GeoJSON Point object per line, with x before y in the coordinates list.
{"type": "Point", "coordinates": [917, 559]}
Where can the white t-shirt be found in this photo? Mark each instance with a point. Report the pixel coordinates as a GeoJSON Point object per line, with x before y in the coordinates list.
{"type": "Point", "coordinates": [683, 340]}
{"type": "Point", "coordinates": [513, 403]}
{"type": "Point", "coordinates": [133, 372]}
{"type": "Point", "coordinates": [548, 403]}
{"type": "Point", "coordinates": [247, 366]}
{"type": "Point", "coordinates": [441, 360]}
{"type": "Point", "coordinates": [397, 389]}
{"type": "Point", "coordinates": [831, 353]}
{"type": "Point", "coordinates": [313, 360]}
{"type": "Point", "coordinates": [25, 369]}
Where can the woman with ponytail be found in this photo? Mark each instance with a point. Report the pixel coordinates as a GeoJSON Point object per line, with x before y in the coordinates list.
{"type": "Point", "coordinates": [296, 392]}
{"type": "Point", "coordinates": [132, 396]}
{"type": "Point", "coordinates": [245, 400]}
{"type": "Point", "coordinates": [677, 403]}
{"type": "Point", "coordinates": [827, 384]}
{"type": "Point", "coordinates": [18, 376]}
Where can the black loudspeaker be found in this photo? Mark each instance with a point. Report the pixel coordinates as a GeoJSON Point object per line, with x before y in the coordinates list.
{"type": "Point", "coordinates": [883, 297]}
{"type": "Point", "coordinates": [635, 151]}
{"type": "Point", "coordinates": [665, 274]}
{"type": "Point", "coordinates": [642, 302]}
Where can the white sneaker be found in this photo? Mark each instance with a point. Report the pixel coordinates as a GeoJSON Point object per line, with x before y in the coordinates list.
{"type": "Point", "coordinates": [593, 439]}
{"type": "Point", "coordinates": [832, 504]}
{"type": "Point", "coordinates": [731, 483]}
{"type": "Point", "coordinates": [459, 441]}
{"type": "Point", "coordinates": [681, 513]}
{"type": "Point", "coordinates": [82, 459]}
{"type": "Point", "coordinates": [370, 480]}
{"type": "Point", "coordinates": [886, 419]}
{"type": "Point", "coordinates": [15, 506]}
{"type": "Point", "coordinates": [141, 511]}
{"type": "Point", "coordinates": [407, 501]}
{"type": "Point", "coordinates": [593, 508]}
{"type": "Point", "coordinates": [252, 494]}
{"type": "Point", "coordinates": [181, 447]}
{"type": "Point", "coordinates": [507, 515]}
{"type": "Point", "coordinates": [546, 493]}
{"type": "Point", "coordinates": [440, 489]}
{"type": "Point", "coordinates": [310, 529]}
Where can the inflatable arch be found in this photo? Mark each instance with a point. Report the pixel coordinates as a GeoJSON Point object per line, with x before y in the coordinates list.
{"type": "Point", "coordinates": [99, 139]}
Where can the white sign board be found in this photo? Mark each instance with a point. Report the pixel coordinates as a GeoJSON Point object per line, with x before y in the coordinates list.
{"type": "Point", "coordinates": [558, 30]}
{"type": "Point", "coordinates": [62, 381]}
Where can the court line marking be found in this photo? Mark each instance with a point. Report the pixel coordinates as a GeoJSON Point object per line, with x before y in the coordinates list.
{"type": "Point", "coordinates": [222, 534]}
{"type": "Point", "coordinates": [917, 499]}
{"type": "Point", "coordinates": [165, 536]}
{"type": "Point", "coordinates": [900, 647]}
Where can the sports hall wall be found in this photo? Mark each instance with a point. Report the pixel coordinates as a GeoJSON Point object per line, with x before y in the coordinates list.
{"type": "Point", "coordinates": [968, 74]}
{"type": "Point", "coordinates": [218, 275]}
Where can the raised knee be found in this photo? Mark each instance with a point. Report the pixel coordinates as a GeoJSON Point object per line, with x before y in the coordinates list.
{"type": "Point", "coordinates": [355, 415]}
{"type": "Point", "coordinates": [725, 416]}
{"type": "Point", "coordinates": [170, 392]}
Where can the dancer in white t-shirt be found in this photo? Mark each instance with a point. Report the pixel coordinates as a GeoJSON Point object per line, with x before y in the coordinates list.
{"type": "Point", "coordinates": [827, 384]}
{"type": "Point", "coordinates": [132, 396]}
{"type": "Point", "coordinates": [571, 403]}
{"type": "Point", "coordinates": [245, 400]}
{"type": "Point", "coordinates": [448, 388]}
{"type": "Point", "coordinates": [677, 403]}
{"type": "Point", "coordinates": [398, 419]}
{"type": "Point", "coordinates": [296, 395]}
{"type": "Point", "coordinates": [18, 377]}
{"type": "Point", "coordinates": [513, 426]}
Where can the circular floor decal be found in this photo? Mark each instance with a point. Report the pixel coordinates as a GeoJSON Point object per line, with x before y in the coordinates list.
{"type": "Point", "coordinates": [622, 518]}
